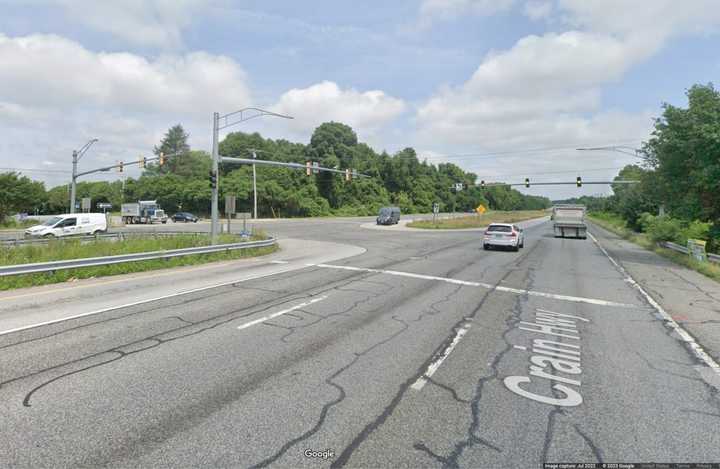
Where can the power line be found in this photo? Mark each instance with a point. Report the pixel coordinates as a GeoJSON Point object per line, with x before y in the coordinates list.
{"type": "Point", "coordinates": [36, 170]}
{"type": "Point", "coordinates": [510, 152]}
{"type": "Point", "coordinates": [533, 173]}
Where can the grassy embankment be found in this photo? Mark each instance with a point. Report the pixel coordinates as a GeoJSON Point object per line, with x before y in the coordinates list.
{"type": "Point", "coordinates": [479, 221]}
{"type": "Point", "coordinates": [617, 225]}
{"type": "Point", "coordinates": [12, 224]}
{"type": "Point", "coordinates": [57, 250]}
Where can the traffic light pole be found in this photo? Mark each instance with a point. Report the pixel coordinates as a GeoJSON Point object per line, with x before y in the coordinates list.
{"type": "Point", "coordinates": [73, 184]}
{"type": "Point", "coordinates": [214, 214]}
{"type": "Point", "coordinates": [254, 188]}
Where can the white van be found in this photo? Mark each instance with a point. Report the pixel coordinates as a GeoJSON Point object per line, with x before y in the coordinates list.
{"type": "Point", "coordinates": [69, 225]}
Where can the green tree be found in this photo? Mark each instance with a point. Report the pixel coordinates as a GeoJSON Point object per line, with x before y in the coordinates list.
{"type": "Point", "coordinates": [174, 145]}
{"type": "Point", "coordinates": [685, 152]}
{"type": "Point", "coordinates": [20, 194]}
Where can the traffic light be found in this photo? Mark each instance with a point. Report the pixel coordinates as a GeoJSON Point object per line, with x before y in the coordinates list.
{"type": "Point", "coordinates": [213, 180]}
{"type": "Point", "coordinates": [527, 182]}
{"type": "Point", "coordinates": [120, 167]}
{"type": "Point", "coordinates": [161, 160]}
{"type": "Point", "coordinates": [347, 175]}
{"type": "Point", "coordinates": [308, 168]}
{"type": "Point", "coordinates": [579, 181]}
{"type": "Point", "coordinates": [141, 161]}
{"type": "Point", "coordinates": [482, 184]}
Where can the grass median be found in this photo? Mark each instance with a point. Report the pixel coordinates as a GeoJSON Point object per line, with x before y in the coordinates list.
{"type": "Point", "coordinates": [76, 249]}
{"type": "Point", "coordinates": [617, 225]}
{"type": "Point", "coordinates": [478, 221]}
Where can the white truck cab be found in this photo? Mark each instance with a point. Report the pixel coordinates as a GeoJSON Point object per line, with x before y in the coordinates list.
{"type": "Point", "coordinates": [69, 225]}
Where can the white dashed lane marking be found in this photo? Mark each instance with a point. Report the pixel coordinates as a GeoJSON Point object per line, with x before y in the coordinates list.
{"type": "Point", "coordinates": [280, 313]}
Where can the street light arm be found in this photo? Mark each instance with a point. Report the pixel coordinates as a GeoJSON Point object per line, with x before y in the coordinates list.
{"type": "Point", "coordinates": [85, 148]}
{"type": "Point", "coordinates": [246, 114]}
{"type": "Point", "coordinates": [617, 148]}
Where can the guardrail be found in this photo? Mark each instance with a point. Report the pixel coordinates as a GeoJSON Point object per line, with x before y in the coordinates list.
{"type": "Point", "coordinates": [108, 236]}
{"type": "Point", "coordinates": [677, 248]}
{"type": "Point", "coordinates": [141, 256]}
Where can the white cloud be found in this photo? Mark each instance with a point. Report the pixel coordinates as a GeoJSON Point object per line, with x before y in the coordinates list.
{"type": "Point", "coordinates": [142, 22]}
{"type": "Point", "coordinates": [56, 95]}
{"type": "Point", "coordinates": [450, 8]}
{"type": "Point", "coordinates": [535, 91]}
{"type": "Point", "coordinates": [538, 9]}
{"type": "Point", "coordinates": [364, 111]}
{"type": "Point", "coordinates": [432, 10]}
{"type": "Point", "coordinates": [50, 71]}
{"type": "Point", "coordinates": [658, 19]}
{"type": "Point", "coordinates": [546, 91]}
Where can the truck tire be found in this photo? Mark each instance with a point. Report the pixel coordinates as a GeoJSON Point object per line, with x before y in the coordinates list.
{"type": "Point", "coordinates": [486, 247]}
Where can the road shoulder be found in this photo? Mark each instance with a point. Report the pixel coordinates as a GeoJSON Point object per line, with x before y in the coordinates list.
{"type": "Point", "coordinates": [690, 298]}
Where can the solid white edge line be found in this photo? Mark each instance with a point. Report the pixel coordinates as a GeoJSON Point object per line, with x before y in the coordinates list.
{"type": "Point", "coordinates": [280, 313]}
{"type": "Point", "coordinates": [149, 300]}
{"type": "Point", "coordinates": [669, 321]}
{"type": "Point", "coordinates": [432, 368]}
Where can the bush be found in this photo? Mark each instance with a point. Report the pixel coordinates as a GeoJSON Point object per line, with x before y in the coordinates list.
{"type": "Point", "coordinates": [662, 228]}
{"type": "Point", "coordinates": [695, 230]}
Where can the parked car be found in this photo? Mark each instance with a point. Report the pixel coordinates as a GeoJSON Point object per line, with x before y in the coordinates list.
{"type": "Point", "coordinates": [184, 217]}
{"type": "Point", "coordinates": [388, 216]}
{"type": "Point", "coordinates": [69, 225]}
{"type": "Point", "coordinates": [504, 235]}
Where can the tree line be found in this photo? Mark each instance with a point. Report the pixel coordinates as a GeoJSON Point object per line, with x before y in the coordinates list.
{"type": "Point", "coordinates": [182, 183]}
{"type": "Point", "coordinates": [679, 175]}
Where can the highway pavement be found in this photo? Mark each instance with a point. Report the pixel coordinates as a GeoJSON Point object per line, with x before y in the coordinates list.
{"type": "Point", "coordinates": [355, 347]}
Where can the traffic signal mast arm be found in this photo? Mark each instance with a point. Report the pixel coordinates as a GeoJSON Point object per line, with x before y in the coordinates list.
{"type": "Point", "coordinates": [301, 166]}
{"type": "Point", "coordinates": [559, 183]}
{"type": "Point", "coordinates": [122, 164]}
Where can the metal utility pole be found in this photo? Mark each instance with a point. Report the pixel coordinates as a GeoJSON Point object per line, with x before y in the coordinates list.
{"type": "Point", "coordinates": [230, 119]}
{"type": "Point", "coordinates": [73, 183]}
{"type": "Point", "coordinates": [77, 154]}
{"type": "Point", "coordinates": [214, 200]}
{"type": "Point", "coordinates": [254, 189]}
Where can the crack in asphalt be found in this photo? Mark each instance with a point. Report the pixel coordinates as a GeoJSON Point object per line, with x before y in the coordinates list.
{"type": "Point", "coordinates": [322, 318]}
{"type": "Point", "coordinates": [710, 414]}
{"type": "Point", "coordinates": [447, 388]}
{"type": "Point", "coordinates": [326, 408]}
{"type": "Point", "coordinates": [511, 321]}
{"type": "Point", "coordinates": [597, 452]}
{"type": "Point", "coordinates": [432, 310]}
{"type": "Point", "coordinates": [698, 289]}
{"type": "Point", "coordinates": [347, 452]}
{"type": "Point", "coordinates": [233, 316]}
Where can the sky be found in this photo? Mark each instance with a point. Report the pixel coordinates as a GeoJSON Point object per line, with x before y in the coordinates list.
{"type": "Point", "coordinates": [507, 89]}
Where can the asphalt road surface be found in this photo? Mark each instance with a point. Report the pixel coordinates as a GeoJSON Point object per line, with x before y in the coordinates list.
{"type": "Point", "coordinates": [362, 348]}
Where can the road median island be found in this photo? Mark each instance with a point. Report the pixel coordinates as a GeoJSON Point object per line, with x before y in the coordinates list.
{"type": "Point", "coordinates": [617, 227]}
{"type": "Point", "coordinates": [478, 221]}
{"type": "Point", "coordinates": [75, 250]}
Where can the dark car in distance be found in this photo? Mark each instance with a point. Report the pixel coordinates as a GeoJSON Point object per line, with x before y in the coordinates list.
{"type": "Point", "coordinates": [388, 216]}
{"type": "Point", "coordinates": [184, 217]}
